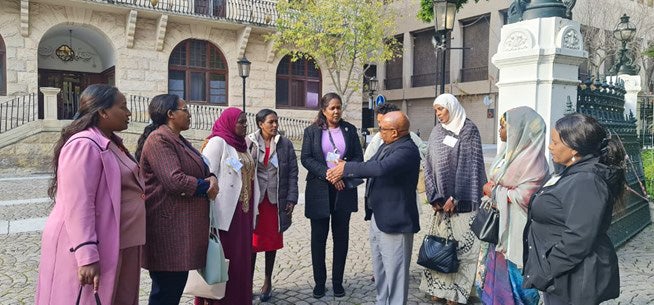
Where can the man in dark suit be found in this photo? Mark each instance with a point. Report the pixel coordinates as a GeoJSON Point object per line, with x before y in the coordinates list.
{"type": "Point", "coordinates": [390, 205]}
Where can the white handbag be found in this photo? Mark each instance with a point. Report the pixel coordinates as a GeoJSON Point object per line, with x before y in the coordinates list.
{"type": "Point", "coordinates": [198, 287]}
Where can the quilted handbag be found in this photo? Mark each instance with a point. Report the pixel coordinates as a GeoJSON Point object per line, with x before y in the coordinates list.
{"type": "Point", "coordinates": [439, 253]}
{"type": "Point", "coordinates": [487, 222]}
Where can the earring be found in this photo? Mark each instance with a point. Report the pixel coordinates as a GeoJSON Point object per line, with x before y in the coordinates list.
{"type": "Point", "coordinates": [573, 159]}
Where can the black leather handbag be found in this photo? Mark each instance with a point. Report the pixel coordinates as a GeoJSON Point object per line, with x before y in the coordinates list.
{"type": "Point", "coordinates": [487, 222]}
{"type": "Point", "coordinates": [439, 253]}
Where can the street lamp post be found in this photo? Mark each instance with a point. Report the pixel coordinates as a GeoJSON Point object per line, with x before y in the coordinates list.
{"type": "Point", "coordinates": [243, 72]}
{"type": "Point", "coordinates": [372, 84]}
{"type": "Point", "coordinates": [625, 32]}
{"type": "Point", "coordinates": [444, 14]}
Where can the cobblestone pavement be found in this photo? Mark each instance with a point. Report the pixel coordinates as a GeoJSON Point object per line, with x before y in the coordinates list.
{"type": "Point", "coordinates": [292, 281]}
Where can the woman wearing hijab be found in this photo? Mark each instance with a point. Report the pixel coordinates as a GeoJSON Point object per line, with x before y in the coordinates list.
{"type": "Point", "coordinates": [328, 139]}
{"type": "Point", "coordinates": [177, 184]}
{"type": "Point", "coordinates": [277, 176]}
{"type": "Point", "coordinates": [516, 173]}
{"type": "Point", "coordinates": [569, 255]}
{"type": "Point", "coordinates": [237, 202]}
{"type": "Point", "coordinates": [454, 177]}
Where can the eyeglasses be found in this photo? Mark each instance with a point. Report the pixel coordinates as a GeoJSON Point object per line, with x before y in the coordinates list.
{"type": "Point", "coordinates": [385, 129]}
{"type": "Point", "coordinates": [185, 109]}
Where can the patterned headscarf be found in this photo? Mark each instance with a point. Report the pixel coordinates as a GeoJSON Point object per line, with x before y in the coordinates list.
{"type": "Point", "coordinates": [225, 127]}
{"type": "Point", "coordinates": [518, 171]}
{"type": "Point", "coordinates": [457, 113]}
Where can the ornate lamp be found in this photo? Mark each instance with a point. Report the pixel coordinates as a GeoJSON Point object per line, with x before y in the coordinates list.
{"type": "Point", "coordinates": [65, 51]}
{"type": "Point", "coordinates": [624, 32]}
{"type": "Point", "coordinates": [243, 72]}
{"type": "Point", "coordinates": [444, 14]}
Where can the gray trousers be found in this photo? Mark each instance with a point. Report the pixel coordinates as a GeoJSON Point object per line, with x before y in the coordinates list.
{"type": "Point", "coordinates": [391, 258]}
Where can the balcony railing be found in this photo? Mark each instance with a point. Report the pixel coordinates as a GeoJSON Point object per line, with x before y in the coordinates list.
{"type": "Point", "coordinates": [259, 12]}
{"type": "Point", "coordinates": [429, 79]}
{"type": "Point", "coordinates": [393, 83]}
{"type": "Point", "coordinates": [204, 116]}
{"type": "Point", "coordinates": [474, 74]}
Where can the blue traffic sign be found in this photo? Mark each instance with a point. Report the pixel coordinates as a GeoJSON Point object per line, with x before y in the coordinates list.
{"type": "Point", "coordinates": [380, 100]}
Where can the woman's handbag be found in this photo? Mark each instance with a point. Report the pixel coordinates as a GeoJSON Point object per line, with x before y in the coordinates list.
{"type": "Point", "coordinates": [487, 222]}
{"type": "Point", "coordinates": [209, 282]}
{"type": "Point", "coordinates": [95, 295]}
{"type": "Point", "coordinates": [438, 253]}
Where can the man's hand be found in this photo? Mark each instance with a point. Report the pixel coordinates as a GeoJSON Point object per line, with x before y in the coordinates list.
{"type": "Point", "coordinates": [436, 207]}
{"type": "Point", "coordinates": [90, 275]}
{"type": "Point", "coordinates": [449, 206]}
{"type": "Point", "coordinates": [289, 208]}
{"type": "Point", "coordinates": [212, 192]}
{"type": "Point", "coordinates": [336, 173]}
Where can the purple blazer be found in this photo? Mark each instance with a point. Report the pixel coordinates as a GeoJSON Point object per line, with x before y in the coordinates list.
{"type": "Point", "coordinates": [84, 225]}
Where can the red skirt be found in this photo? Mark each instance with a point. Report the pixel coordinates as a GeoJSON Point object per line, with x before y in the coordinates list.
{"type": "Point", "coordinates": [266, 236]}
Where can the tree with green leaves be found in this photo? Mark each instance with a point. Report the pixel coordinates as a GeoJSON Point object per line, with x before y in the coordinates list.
{"type": "Point", "coordinates": [340, 35]}
{"type": "Point", "coordinates": [426, 12]}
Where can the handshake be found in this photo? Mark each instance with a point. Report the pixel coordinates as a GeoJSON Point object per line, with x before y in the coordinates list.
{"type": "Point", "coordinates": [335, 175]}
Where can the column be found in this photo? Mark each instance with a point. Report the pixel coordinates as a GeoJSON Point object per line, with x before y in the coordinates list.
{"type": "Point", "coordinates": [49, 102]}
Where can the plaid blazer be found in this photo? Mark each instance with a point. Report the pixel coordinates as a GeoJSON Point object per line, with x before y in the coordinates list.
{"type": "Point", "coordinates": [177, 222]}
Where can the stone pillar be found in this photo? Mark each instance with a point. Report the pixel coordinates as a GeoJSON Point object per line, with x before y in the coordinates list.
{"type": "Point", "coordinates": [632, 86]}
{"type": "Point", "coordinates": [49, 102]}
{"type": "Point", "coordinates": [539, 63]}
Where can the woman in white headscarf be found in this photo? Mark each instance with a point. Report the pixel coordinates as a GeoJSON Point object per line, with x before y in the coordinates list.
{"type": "Point", "coordinates": [454, 177]}
{"type": "Point", "coordinates": [516, 173]}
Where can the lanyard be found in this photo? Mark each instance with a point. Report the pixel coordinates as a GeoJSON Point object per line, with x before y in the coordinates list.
{"type": "Point", "coordinates": [331, 140]}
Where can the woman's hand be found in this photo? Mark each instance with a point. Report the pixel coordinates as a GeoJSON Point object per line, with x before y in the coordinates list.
{"type": "Point", "coordinates": [212, 192]}
{"type": "Point", "coordinates": [488, 187]}
{"type": "Point", "coordinates": [339, 185]}
{"type": "Point", "coordinates": [449, 206]}
{"type": "Point", "coordinates": [90, 275]}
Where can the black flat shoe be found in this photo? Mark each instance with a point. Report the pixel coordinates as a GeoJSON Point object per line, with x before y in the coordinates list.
{"type": "Point", "coordinates": [339, 291]}
{"type": "Point", "coordinates": [265, 296]}
{"type": "Point", "coordinates": [319, 291]}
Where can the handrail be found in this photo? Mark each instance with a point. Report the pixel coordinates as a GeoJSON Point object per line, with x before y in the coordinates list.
{"type": "Point", "coordinates": [18, 111]}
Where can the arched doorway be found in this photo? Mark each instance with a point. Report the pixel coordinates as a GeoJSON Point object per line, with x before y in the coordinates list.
{"type": "Point", "coordinates": [72, 58]}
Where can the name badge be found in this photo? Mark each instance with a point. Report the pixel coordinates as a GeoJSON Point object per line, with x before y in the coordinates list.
{"type": "Point", "coordinates": [450, 141]}
{"type": "Point", "coordinates": [274, 161]}
{"type": "Point", "coordinates": [234, 163]}
{"type": "Point", "coordinates": [333, 157]}
{"type": "Point", "coordinates": [552, 181]}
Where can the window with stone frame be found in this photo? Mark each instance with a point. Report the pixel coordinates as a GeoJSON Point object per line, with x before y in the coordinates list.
{"type": "Point", "coordinates": [299, 83]}
{"type": "Point", "coordinates": [3, 68]}
{"type": "Point", "coordinates": [475, 53]}
{"type": "Point", "coordinates": [394, 78]}
{"type": "Point", "coordinates": [197, 72]}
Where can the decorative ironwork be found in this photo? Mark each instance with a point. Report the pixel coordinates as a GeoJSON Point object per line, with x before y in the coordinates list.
{"type": "Point", "coordinates": [18, 111]}
{"type": "Point", "coordinates": [258, 12]}
{"type": "Point", "coordinates": [605, 102]}
{"type": "Point", "coordinates": [204, 116]}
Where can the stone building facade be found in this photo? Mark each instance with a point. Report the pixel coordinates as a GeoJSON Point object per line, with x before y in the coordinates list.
{"type": "Point", "coordinates": [132, 44]}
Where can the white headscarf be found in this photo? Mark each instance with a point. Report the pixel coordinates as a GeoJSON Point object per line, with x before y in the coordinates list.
{"type": "Point", "coordinates": [457, 113]}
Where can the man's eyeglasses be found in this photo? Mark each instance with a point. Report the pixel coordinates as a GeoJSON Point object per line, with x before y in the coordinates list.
{"type": "Point", "coordinates": [386, 129]}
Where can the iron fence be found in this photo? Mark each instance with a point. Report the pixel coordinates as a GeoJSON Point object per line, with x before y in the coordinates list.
{"type": "Point", "coordinates": [605, 102]}
{"type": "Point", "coordinates": [260, 12]}
{"type": "Point", "coordinates": [646, 120]}
{"type": "Point", "coordinates": [429, 79]}
{"type": "Point", "coordinates": [18, 111]}
{"type": "Point", "coordinates": [204, 116]}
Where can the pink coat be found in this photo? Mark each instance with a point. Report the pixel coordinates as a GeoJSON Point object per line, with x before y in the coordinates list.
{"type": "Point", "coordinates": [86, 210]}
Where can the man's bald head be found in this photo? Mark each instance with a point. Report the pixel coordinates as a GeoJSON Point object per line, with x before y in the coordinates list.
{"type": "Point", "coordinates": [396, 124]}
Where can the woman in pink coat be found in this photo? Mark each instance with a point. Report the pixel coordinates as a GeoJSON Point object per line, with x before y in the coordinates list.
{"type": "Point", "coordinates": [92, 240]}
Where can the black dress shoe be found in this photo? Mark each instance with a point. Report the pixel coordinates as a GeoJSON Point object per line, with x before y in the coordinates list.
{"type": "Point", "coordinates": [319, 291]}
{"type": "Point", "coordinates": [265, 296]}
{"type": "Point", "coordinates": [339, 291]}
